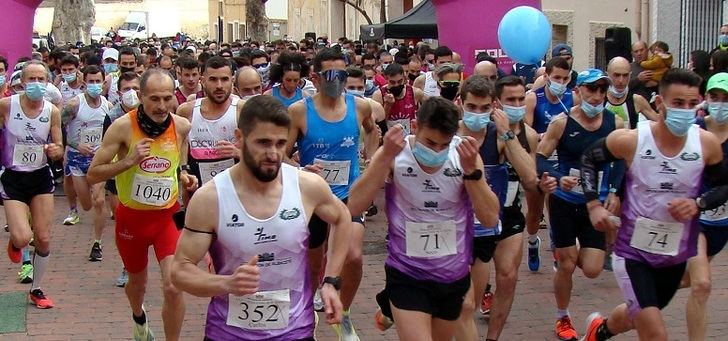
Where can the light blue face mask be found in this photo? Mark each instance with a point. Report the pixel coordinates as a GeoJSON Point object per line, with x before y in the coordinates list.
{"type": "Point", "coordinates": [679, 121]}
{"type": "Point", "coordinates": [514, 114]}
{"type": "Point", "coordinates": [370, 84]}
{"type": "Point", "coordinates": [428, 157]}
{"type": "Point", "coordinates": [109, 68]}
{"type": "Point", "coordinates": [590, 110]}
{"type": "Point", "coordinates": [723, 39]}
{"type": "Point", "coordinates": [718, 111]}
{"type": "Point", "coordinates": [94, 90]}
{"type": "Point", "coordinates": [557, 89]}
{"type": "Point", "coordinates": [35, 90]}
{"type": "Point", "coordinates": [69, 77]}
{"type": "Point", "coordinates": [476, 121]}
{"type": "Point", "coordinates": [356, 93]}
{"type": "Point", "coordinates": [618, 94]}
{"type": "Point", "coordinates": [2, 80]}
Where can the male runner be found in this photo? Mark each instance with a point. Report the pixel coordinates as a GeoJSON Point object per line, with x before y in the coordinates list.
{"type": "Point", "coordinates": [70, 86]}
{"type": "Point", "coordinates": [150, 145]}
{"type": "Point", "coordinates": [261, 290]}
{"type": "Point", "coordinates": [428, 82]}
{"type": "Point", "coordinates": [248, 83]}
{"type": "Point", "coordinates": [400, 100]}
{"type": "Point", "coordinates": [188, 74]}
{"type": "Point", "coordinates": [128, 61]}
{"type": "Point", "coordinates": [630, 107]}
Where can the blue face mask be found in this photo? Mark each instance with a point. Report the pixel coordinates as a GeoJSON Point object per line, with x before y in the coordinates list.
{"type": "Point", "coordinates": [69, 77]}
{"type": "Point", "coordinates": [35, 90]}
{"type": "Point", "coordinates": [723, 39]}
{"type": "Point", "coordinates": [109, 68]}
{"type": "Point", "coordinates": [590, 110]}
{"type": "Point", "coordinates": [679, 120]}
{"type": "Point", "coordinates": [616, 93]}
{"type": "Point", "coordinates": [718, 111]}
{"type": "Point", "coordinates": [2, 80]}
{"type": "Point", "coordinates": [557, 89]}
{"type": "Point", "coordinates": [370, 84]}
{"type": "Point", "coordinates": [514, 114]}
{"type": "Point", "coordinates": [476, 121]}
{"type": "Point", "coordinates": [428, 157]}
{"type": "Point", "coordinates": [355, 93]}
{"type": "Point", "coordinates": [93, 90]}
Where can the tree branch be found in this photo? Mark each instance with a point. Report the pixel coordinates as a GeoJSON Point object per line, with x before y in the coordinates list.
{"type": "Point", "coordinates": [359, 9]}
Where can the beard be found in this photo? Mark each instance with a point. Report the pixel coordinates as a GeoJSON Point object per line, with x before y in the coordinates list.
{"type": "Point", "coordinates": [258, 172]}
{"type": "Point", "coordinates": [211, 96]}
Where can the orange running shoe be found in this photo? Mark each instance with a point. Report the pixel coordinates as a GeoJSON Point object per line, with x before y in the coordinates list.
{"type": "Point", "coordinates": [592, 325]}
{"type": "Point", "coordinates": [382, 322]}
{"type": "Point", "coordinates": [15, 254]}
{"type": "Point", "coordinates": [565, 330]}
{"type": "Point", "coordinates": [486, 303]}
{"type": "Point", "coordinates": [40, 299]}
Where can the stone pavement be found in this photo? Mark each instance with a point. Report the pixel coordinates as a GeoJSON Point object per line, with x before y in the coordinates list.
{"type": "Point", "coordinates": [90, 307]}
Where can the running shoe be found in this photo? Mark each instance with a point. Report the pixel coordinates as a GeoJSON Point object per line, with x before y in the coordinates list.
{"type": "Point", "coordinates": [565, 330]}
{"type": "Point", "coordinates": [7, 228]}
{"type": "Point", "coordinates": [123, 278]}
{"type": "Point", "coordinates": [15, 254]}
{"type": "Point", "coordinates": [534, 260]}
{"type": "Point", "coordinates": [381, 321]}
{"type": "Point", "coordinates": [486, 303]}
{"type": "Point", "coordinates": [40, 299]}
{"type": "Point", "coordinates": [608, 262]}
{"type": "Point", "coordinates": [26, 274]}
{"type": "Point", "coordinates": [72, 218]}
{"type": "Point", "coordinates": [95, 255]}
{"type": "Point", "coordinates": [142, 332]}
{"type": "Point", "coordinates": [318, 302]}
{"type": "Point", "coordinates": [592, 326]}
{"type": "Point", "coordinates": [345, 329]}
{"type": "Point", "coordinates": [372, 210]}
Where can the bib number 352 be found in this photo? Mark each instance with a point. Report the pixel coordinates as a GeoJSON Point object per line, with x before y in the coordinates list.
{"type": "Point", "coordinates": [260, 311]}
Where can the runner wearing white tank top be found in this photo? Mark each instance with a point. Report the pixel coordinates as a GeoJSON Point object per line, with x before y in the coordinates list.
{"type": "Point", "coordinates": [206, 134]}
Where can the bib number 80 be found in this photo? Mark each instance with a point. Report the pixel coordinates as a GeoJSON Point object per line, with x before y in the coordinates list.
{"type": "Point", "coordinates": [29, 158]}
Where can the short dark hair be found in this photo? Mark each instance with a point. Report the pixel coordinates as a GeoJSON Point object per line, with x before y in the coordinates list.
{"type": "Point", "coordinates": [393, 70]}
{"type": "Point", "coordinates": [367, 56]}
{"type": "Point", "coordinates": [126, 77]}
{"type": "Point", "coordinates": [128, 51]}
{"type": "Point", "coordinates": [719, 60]}
{"type": "Point", "coordinates": [557, 62]}
{"type": "Point", "coordinates": [218, 62]}
{"type": "Point", "coordinates": [43, 49]}
{"type": "Point", "coordinates": [681, 77]}
{"type": "Point", "coordinates": [69, 59]}
{"type": "Point", "coordinates": [153, 72]}
{"type": "Point", "coordinates": [508, 81]}
{"type": "Point", "coordinates": [439, 114]}
{"type": "Point", "coordinates": [258, 54]}
{"type": "Point", "coordinates": [187, 63]}
{"type": "Point", "coordinates": [442, 51]}
{"type": "Point", "coordinates": [355, 72]}
{"type": "Point", "coordinates": [262, 109]}
{"type": "Point", "coordinates": [326, 54]}
{"type": "Point", "coordinates": [57, 54]}
{"type": "Point", "coordinates": [92, 70]}
{"type": "Point", "coordinates": [478, 86]}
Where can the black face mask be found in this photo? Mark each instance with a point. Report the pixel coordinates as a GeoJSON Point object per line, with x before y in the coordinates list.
{"type": "Point", "coordinates": [412, 77]}
{"type": "Point", "coordinates": [449, 92]}
{"type": "Point", "coordinates": [126, 69]}
{"type": "Point", "coordinates": [148, 126]}
{"type": "Point", "coordinates": [396, 91]}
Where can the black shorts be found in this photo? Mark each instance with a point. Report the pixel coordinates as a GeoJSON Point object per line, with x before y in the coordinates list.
{"type": "Point", "coordinates": [645, 286]}
{"type": "Point", "coordinates": [318, 230]}
{"type": "Point", "coordinates": [441, 300]}
{"type": "Point", "coordinates": [111, 186]}
{"type": "Point", "coordinates": [484, 247]}
{"type": "Point", "coordinates": [716, 237]}
{"type": "Point", "coordinates": [571, 221]}
{"type": "Point", "coordinates": [23, 186]}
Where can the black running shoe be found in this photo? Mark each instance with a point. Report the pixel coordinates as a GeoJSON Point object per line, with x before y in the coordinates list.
{"type": "Point", "coordinates": [95, 255]}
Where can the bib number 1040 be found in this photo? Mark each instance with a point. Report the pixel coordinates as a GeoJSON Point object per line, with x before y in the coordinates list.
{"type": "Point", "coordinates": [151, 190]}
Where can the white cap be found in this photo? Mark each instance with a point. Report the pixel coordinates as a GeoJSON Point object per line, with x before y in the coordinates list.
{"type": "Point", "coordinates": [191, 49]}
{"type": "Point", "coordinates": [111, 53]}
{"type": "Point", "coordinates": [15, 78]}
{"type": "Point", "coordinates": [393, 51]}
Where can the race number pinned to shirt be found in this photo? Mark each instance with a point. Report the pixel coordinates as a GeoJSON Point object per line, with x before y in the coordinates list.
{"type": "Point", "coordinates": [716, 214]}
{"type": "Point", "coordinates": [263, 310]}
{"type": "Point", "coordinates": [431, 240]}
{"type": "Point", "coordinates": [28, 155]}
{"type": "Point", "coordinates": [152, 190]}
{"type": "Point", "coordinates": [657, 237]}
{"type": "Point", "coordinates": [92, 136]}
{"type": "Point", "coordinates": [334, 172]}
{"type": "Point", "coordinates": [209, 169]}
{"type": "Point", "coordinates": [577, 174]}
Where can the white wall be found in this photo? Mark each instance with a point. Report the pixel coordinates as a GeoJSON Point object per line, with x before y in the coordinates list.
{"type": "Point", "coordinates": [277, 9]}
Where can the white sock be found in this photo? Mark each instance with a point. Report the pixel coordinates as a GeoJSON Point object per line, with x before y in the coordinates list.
{"type": "Point", "coordinates": [532, 238]}
{"type": "Point", "coordinates": [40, 264]}
{"type": "Point", "coordinates": [561, 313]}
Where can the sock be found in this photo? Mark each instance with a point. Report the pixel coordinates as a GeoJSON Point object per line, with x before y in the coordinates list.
{"type": "Point", "coordinates": [40, 263]}
{"type": "Point", "coordinates": [97, 241]}
{"type": "Point", "coordinates": [346, 312]}
{"type": "Point", "coordinates": [487, 287]}
{"type": "Point", "coordinates": [26, 255]}
{"type": "Point", "coordinates": [532, 238]}
{"type": "Point", "coordinates": [561, 313]}
{"type": "Point", "coordinates": [603, 332]}
{"type": "Point", "coordinates": [73, 208]}
{"type": "Point", "coordinates": [140, 320]}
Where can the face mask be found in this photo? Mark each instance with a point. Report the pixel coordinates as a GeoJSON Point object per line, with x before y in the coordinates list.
{"type": "Point", "coordinates": [617, 94]}
{"type": "Point", "coordinates": [69, 77]}
{"type": "Point", "coordinates": [129, 99]}
{"type": "Point", "coordinates": [126, 69]}
{"type": "Point", "coordinates": [430, 67]}
{"type": "Point", "coordinates": [396, 91]}
{"type": "Point", "coordinates": [385, 66]}
{"type": "Point", "coordinates": [93, 90]}
{"type": "Point", "coordinates": [718, 111]}
{"type": "Point", "coordinates": [723, 39]}
{"type": "Point", "coordinates": [476, 121]}
{"type": "Point", "coordinates": [35, 90]}
{"type": "Point", "coordinates": [450, 91]}
{"type": "Point", "coordinates": [2, 80]}
{"type": "Point", "coordinates": [370, 84]}
{"type": "Point", "coordinates": [428, 157]}
{"type": "Point", "coordinates": [590, 110]}
{"type": "Point", "coordinates": [333, 88]}
{"type": "Point", "coordinates": [356, 93]}
{"type": "Point", "coordinates": [109, 68]}
{"type": "Point", "coordinates": [412, 77]}
{"type": "Point", "coordinates": [249, 96]}
{"type": "Point", "coordinates": [514, 114]}
{"type": "Point", "coordinates": [678, 121]}
{"type": "Point", "coordinates": [557, 89]}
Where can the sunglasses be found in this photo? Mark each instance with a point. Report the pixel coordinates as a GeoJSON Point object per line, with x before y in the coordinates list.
{"type": "Point", "coordinates": [450, 83]}
{"type": "Point", "coordinates": [330, 75]}
{"type": "Point", "coordinates": [258, 66]}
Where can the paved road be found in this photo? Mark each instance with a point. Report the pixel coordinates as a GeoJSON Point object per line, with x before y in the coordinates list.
{"type": "Point", "coordinates": [90, 307]}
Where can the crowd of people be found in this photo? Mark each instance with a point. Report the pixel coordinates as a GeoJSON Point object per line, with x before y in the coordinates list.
{"type": "Point", "coordinates": [262, 161]}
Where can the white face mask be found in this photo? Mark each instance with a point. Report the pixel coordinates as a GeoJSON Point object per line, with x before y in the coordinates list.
{"type": "Point", "coordinates": [130, 99]}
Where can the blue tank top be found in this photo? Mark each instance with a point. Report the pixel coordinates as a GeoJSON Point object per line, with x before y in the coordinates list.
{"type": "Point", "coordinates": [571, 146]}
{"type": "Point", "coordinates": [545, 110]}
{"type": "Point", "coordinates": [332, 145]}
{"type": "Point", "coordinates": [496, 174]}
{"type": "Point", "coordinates": [276, 92]}
{"type": "Point", "coordinates": [719, 216]}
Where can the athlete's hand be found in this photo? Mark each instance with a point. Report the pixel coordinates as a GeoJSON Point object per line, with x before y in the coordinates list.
{"type": "Point", "coordinates": [393, 142]}
{"type": "Point", "coordinates": [388, 100]}
{"type": "Point", "coordinates": [613, 204]}
{"type": "Point", "coordinates": [189, 181]}
{"type": "Point", "coordinates": [85, 149]}
{"type": "Point", "coordinates": [296, 157]}
{"type": "Point", "coordinates": [227, 149]}
{"type": "Point", "coordinates": [682, 209]}
{"type": "Point", "coordinates": [53, 151]}
{"type": "Point", "coordinates": [501, 121]}
{"type": "Point", "coordinates": [314, 168]}
{"type": "Point", "coordinates": [600, 218]}
{"type": "Point", "coordinates": [468, 150]}
{"type": "Point", "coordinates": [568, 183]}
{"type": "Point", "coordinates": [548, 183]}
{"type": "Point", "coordinates": [332, 304]}
{"type": "Point", "coordinates": [140, 151]}
{"type": "Point", "coordinates": [244, 280]}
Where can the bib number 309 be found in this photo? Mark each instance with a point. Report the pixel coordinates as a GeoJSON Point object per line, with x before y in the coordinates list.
{"type": "Point", "coordinates": [260, 311]}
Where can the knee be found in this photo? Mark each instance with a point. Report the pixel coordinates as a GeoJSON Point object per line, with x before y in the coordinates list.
{"type": "Point", "coordinates": [98, 202]}
{"type": "Point", "coordinates": [591, 271]}
{"type": "Point", "coordinates": [42, 241]}
{"type": "Point", "coordinates": [507, 279]}
{"type": "Point", "coordinates": [467, 309]}
{"type": "Point", "coordinates": [700, 288]}
{"type": "Point", "coordinates": [567, 264]}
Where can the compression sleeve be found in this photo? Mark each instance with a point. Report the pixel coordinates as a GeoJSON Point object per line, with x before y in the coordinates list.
{"type": "Point", "coordinates": [715, 176]}
{"type": "Point", "coordinates": [593, 157]}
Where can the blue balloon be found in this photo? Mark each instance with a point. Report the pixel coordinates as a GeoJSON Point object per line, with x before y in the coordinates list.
{"type": "Point", "coordinates": [524, 34]}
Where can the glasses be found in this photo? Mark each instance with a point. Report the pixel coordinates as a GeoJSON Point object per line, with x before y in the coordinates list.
{"type": "Point", "coordinates": [330, 75]}
{"type": "Point", "coordinates": [258, 66]}
{"type": "Point", "coordinates": [450, 83]}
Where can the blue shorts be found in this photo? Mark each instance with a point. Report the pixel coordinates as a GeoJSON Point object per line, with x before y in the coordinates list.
{"type": "Point", "coordinates": [76, 164]}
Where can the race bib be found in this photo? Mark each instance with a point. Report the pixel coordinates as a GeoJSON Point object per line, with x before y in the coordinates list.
{"type": "Point", "coordinates": [152, 190]}
{"type": "Point", "coordinates": [511, 193]}
{"type": "Point", "coordinates": [577, 173]}
{"type": "Point", "coordinates": [657, 237]}
{"type": "Point", "coordinates": [404, 122]}
{"type": "Point", "coordinates": [263, 310]}
{"type": "Point", "coordinates": [92, 136]}
{"type": "Point", "coordinates": [29, 155]}
{"type": "Point", "coordinates": [334, 172]}
{"type": "Point", "coordinates": [431, 240]}
{"type": "Point", "coordinates": [716, 214]}
{"type": "Point", "coordinates": [209, 169]}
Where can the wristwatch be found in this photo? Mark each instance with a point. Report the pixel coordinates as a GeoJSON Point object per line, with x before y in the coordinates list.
{"type": "Point", "coordinates": [334, 281]}
{"type": "Point", "coordinates": [185, 168]}
{"type": "Point", "coordinates": [509, 135]}
{"type": "Point", "coordinates": [700, 203]}
{"type": "Point", "coordinates": [475, 175]}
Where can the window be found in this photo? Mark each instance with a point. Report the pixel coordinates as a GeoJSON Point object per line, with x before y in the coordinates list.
{"type": "Point", "coordinates": [559, 34]}
{"type": "Point", "coordinates": [230, 32]}
{"type": "Point", "coordinates": [600, 54]}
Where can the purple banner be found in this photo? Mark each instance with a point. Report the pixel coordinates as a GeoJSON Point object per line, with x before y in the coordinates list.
{"type": "Point", "coordinates": [17, 27]}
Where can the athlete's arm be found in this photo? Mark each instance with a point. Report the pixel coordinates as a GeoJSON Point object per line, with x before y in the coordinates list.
{"type": "Point", "coordinates": [715, 172]}
{"type": "Point", "coordinates": [419, 82]}
{"type": "Point", "coordinates": [485, 203]}
{"type": "Point", "coordinates": [4, 110]}
{"type": "Point", "coordinates": [530, 109]}
{"type": "Point", "coordinates": [371, 138]}
{"type": "Point", "coordinates": [515, 153]}
{"type": "Point", "coordinates": [297, 111]}
{"type": "Point", "coordinates": [106, 86]}
{"type": "Point", "coordinates": [549, 142]}
{"type": "Point", "coordinates": [642, 106]}
{"type": "Point", "coordinates": [102, 168]}
{"type": "Point", "coordinates": [70, 110]}
{"type": "Point", "coordinates": [419, 96]}
{"type": "Point", "coordinates": [55, 150]}
{"type": "Point", "coordinates": [185, 110]}
{"type": "Point", "coordinates": [377, 110]}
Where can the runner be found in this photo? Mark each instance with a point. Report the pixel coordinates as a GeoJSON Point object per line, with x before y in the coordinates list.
{"type": "Point", "coordinates": [86, 117]}
{"type": "Point", "coordinates": [430, 218]}
{"type": "Point", "coordinates": [659, 226]}
{"type": "Point", "coordinates": [261, 62]}
{"type": "Point", "coordinates": [400, 100]}
{"type": "Point", "coordinates": [428, 82]}
{"type": "Point", "coordinates": [70, 85]}
{"type": "Point", "coordinates": [28, 123]}
{"type": "Point", "coordinates": [487, 69]}
{"type": "Point", "coordinates": [248, 83]}
{"type": "Point", "coordinates": [286, 77]}
{"type": "Point", "coordinates": [630, 107]}
{"type": "Point", "coordinates": [278, 200]}
{"type": "Point", "coordinates": [127, 62]}
{"type": "Point", "coordinates": [327, 128]}
{"type": "Point", "coordinates": [4, 78]}
{"type": "Point", "coordinates": [150, 144]}
{"type": "Point", "coordinates": [449, 79]}
{"type": "Point", "coordinates": [188, 72]}
{"type": "Point", "coordinates": [570, 135]}
{"type": "Point", "coordinates": [356, 85]}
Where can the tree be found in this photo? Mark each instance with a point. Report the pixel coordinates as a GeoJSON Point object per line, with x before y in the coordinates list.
{"type": "Point", "coordinates": [356, 4]}
{"type": "Point", "coordinates": [257, 22]}
{"type": "Point", "coordinates": [72, 21]}
{"type": "Point", "coordinates": [383, 12]}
